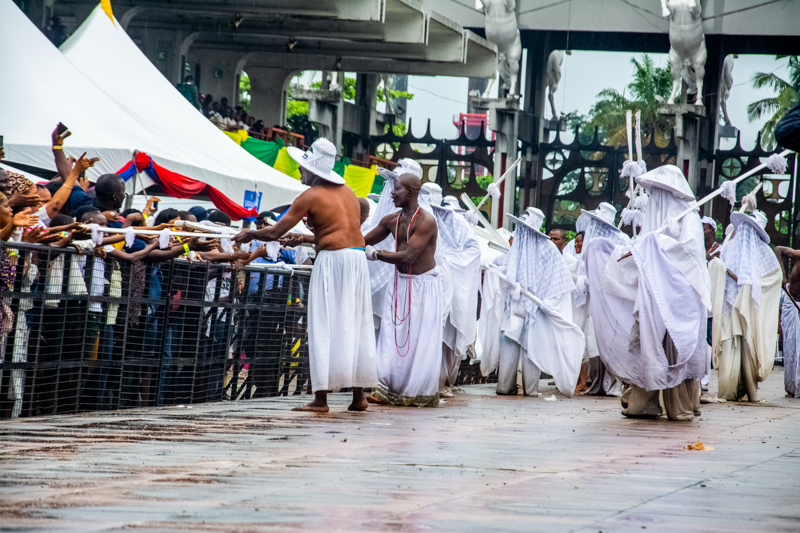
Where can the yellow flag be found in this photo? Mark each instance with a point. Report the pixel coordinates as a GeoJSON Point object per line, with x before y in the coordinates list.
{"type": "Point", "coordinates": [106, 5]}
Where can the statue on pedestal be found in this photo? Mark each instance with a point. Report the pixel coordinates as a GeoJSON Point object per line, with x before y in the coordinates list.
{"type": "Point", "coordinates": [554, 63]}
{"type": "Point", "coordinates": [687, 52]}
{"type": "Point", "coordinates": [725, 85]}
{"type": "Point", "coordinates": [502, 30]}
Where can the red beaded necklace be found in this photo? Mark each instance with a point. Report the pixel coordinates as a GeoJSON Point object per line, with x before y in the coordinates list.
{"type": "Point", "coordinates": [398, 321]}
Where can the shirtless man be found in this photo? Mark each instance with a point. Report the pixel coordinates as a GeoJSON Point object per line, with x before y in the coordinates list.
{"type": "Point", "coordinates": [783, 252]}
{"type": "Point", "coordinates": [409, 353]}
{"type": "Point", "coordinates": [341, 338]}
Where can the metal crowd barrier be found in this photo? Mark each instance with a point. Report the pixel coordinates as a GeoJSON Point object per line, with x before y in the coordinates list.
{"type": "Point", "coordinates": [83, 333]}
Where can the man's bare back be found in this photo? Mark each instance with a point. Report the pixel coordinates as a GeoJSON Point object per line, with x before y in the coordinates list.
{"type": "Point", "coordinates": [333, 215]}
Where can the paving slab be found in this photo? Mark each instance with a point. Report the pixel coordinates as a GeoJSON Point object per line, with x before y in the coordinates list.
{"type": "Point", "coordinates": [479, 462]}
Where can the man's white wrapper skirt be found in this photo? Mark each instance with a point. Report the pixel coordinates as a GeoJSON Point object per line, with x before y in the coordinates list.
{"type": "Point", "coordinates": [413, 379]}
{"type": "Point", "coordinates": [341, 336]}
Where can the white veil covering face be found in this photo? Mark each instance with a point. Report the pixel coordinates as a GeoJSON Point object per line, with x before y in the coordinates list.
{"type": "Point", "coordinates": [553, 344]}
{"type": "Point", "coordinates": [663, 288]}
{"type": "Point", "coordinates": [461, 253]}
{"type": "Point", "coordinates": [750, 258]}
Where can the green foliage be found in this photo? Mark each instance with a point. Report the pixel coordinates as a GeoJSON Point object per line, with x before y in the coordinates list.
{"type": "Point", "coordinates": [608, 113]}
{"type": "Point", "coordinates": [484, 181]}
{"type": "Point", "coordinates": [778, 105]}
{"type": "Point", "coordinates": [244, 92]}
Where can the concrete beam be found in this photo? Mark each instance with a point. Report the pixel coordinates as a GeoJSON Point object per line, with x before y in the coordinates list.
{"type": "Point", "coordinates": [485, 69]}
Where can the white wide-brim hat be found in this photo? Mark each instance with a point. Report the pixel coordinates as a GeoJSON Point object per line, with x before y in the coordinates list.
{"type": "Point", "coordinates": [669, 178]}
{"type": "Point", "coordinates": [319, 160]}
{"type": "Point", "coordinates": [758, 220]}
{"type": "Point", "coordinates": [527, 224]}
{"type": "Point", "coordinates": [605, 213]}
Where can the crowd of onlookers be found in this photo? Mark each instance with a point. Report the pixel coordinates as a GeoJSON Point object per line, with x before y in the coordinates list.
{"type": "Point", "coordinates": [220, 113]}
{"type": "Point", "coordinates": [68, 214]}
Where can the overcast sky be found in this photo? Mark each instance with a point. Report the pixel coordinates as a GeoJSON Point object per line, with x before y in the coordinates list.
{"type": "Point", "coordinates": [584, 74]}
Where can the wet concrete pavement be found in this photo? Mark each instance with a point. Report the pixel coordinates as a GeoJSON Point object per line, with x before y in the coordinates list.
{"type": "Point", "coordinates": [478, 463]}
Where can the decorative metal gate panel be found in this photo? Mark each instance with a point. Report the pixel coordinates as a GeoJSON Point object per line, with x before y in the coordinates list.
{"type": "Point", "coordinates": [580, 176]}
{"type": "Point", "coordinates": [775, 198]}
{"type": "Point", "coordinates": [453, 164]}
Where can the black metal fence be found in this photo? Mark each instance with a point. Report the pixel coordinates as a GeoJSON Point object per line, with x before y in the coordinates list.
{"type": "Point", "coordinates": [83, 333]}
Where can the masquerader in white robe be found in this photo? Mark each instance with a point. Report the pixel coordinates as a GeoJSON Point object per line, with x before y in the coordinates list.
{"type": "Point", "coordinates": [745, 325]}
{"type": "Point", "coordinates": [594, 224]}
{"type": "Point", "coordinates": [529, 334]}
{"type": "Point", "coordinates": [463, 262]}
{"type": "Point", "coordinates": [650, 309]}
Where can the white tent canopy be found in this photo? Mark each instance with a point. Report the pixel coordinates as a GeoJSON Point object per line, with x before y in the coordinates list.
{"type": "Point", "coordinates": [41, 87]}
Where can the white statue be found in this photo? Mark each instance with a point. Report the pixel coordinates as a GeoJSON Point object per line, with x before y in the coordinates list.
{"type": "Point", "coordinates": [687, 50]}
{"type": "Point", "coordinates": [554, 63]}
{"type": "Point", "coordinates": [502, 30]}
{"type": "Point", "coordinates": [725, 85]}
{"type": "Point", "coordinates": [388, 83]}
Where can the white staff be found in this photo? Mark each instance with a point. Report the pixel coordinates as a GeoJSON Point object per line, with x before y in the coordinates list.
{"type": "Point", "coordinates": [770, 163]}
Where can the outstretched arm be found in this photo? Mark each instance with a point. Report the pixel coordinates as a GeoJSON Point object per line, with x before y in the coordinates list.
{"type": "Point", "coordinates": [295, 214]}
{"type": "Point", "coordinates": [381, 231]}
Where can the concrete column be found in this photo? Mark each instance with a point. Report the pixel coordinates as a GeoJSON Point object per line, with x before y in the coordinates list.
{"type": "Point", "coordinates": [268, 93]}
{"type": "Point", "coordinates": [218, 71]}
{"type": "Point", "coordinates": [535, 100]}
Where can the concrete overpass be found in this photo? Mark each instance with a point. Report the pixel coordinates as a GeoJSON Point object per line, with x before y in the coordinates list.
{"type": "Point", "coordinates": [273, 39]}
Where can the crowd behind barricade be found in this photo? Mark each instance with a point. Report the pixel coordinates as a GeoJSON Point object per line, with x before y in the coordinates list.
{"type": "Point", "coordinates": [91, 319]}
{"type": "Point", "coordinates": [220, 113]}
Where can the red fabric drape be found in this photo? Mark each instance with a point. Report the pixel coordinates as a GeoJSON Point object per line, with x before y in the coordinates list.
{"type": "Point", "coordinates": [233, 210]}
{"type": "Point", "coordinates": [180, 186]}
{"type": "Point", "coordinates": [175, 184]}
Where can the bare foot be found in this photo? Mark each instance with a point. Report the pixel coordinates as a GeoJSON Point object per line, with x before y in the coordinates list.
{"type": "Point", "coordinates": [358, 405]}
{"type": "Point", "coordinates": [373, 399]}
{"type": "Point", "coordinates": [313, 407]}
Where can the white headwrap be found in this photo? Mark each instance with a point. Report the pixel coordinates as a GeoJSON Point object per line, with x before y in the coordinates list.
{"type": "Point", "coordinates": [710, 221]}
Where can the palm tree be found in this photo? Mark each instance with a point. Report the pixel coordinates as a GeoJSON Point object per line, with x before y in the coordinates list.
{"type": "Point", "coordinates": [650, 86]}
{"type": "Point", "coordinates": [787, 93]}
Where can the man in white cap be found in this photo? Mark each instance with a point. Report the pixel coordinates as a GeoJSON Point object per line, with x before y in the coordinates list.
{"type": "Point", "coordinates": [528, 333]}
{"type": "Point", "coordinates": [710, 237]}
{"type": "Point", "coordinates": [745, 325]}
{"type": "Point", "coordinates": [790, 321]}
{"type": "Point", "coordinates": [409, 352]}
{"type": "Point", "coordinates": [591, 225]}
{"type": "Point", "coordinates": [650, 310]}
{"type": "Point", "coordinates": [341, 339]}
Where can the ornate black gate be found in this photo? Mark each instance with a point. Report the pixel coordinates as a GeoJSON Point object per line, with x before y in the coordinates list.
{"type": "Point", "coordinates": [580, 176]}
{"type": "Point", "coordinates": [775, 199]}
{"type": "Point", "coordinates": [456, 165]}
